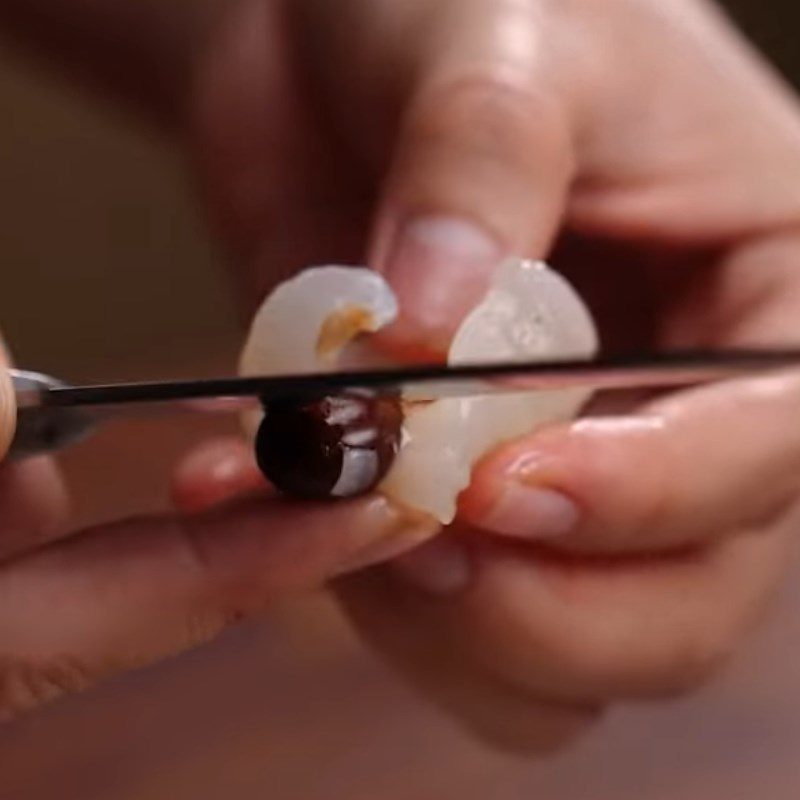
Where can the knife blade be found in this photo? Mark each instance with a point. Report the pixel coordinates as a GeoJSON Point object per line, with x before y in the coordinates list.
{"type": "Point", "coordinates": [52, 414]}
{"type": "Point", "coordinates": [433, 381]}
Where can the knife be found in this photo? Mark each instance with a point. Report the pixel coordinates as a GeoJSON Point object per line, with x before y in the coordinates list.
{"type": "Point", "coordinates": [53, 414]}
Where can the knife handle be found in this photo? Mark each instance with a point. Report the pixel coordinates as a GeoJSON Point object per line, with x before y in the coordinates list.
{"type": "Point", "coordinates": [41, 429]}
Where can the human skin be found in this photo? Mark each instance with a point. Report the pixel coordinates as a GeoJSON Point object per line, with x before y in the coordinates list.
{"type": "Point", "coordinates": [645, 150]}
{"type": "Point", "coordinates": [655, 159]}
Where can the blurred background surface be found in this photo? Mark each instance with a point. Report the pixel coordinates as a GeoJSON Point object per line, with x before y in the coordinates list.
{"type": "Point", "coordinates": [107, 273]}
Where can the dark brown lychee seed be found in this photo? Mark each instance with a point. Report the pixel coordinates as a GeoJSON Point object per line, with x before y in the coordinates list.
{"type": "Point", "coordinates": [331, 447]}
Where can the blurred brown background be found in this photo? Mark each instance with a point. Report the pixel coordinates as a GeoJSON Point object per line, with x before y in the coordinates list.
{"type": "Point", "coordinates": [107, 273]}
{"type": "Point", "coordinates": [104, 256]}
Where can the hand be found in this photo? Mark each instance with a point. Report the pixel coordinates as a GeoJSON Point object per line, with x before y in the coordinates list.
{"type": "Point", "coordinates": [644, 147]}
{"type": "Point", "coordinates": [78, 606]}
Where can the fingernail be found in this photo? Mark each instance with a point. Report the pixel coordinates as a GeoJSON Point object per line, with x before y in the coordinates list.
{"type": "Point", "coordinates": [529, 512]}
{"type": "Point", "coordinates": [439, 567]}
{"type": "Point", "coordinates": [440, 267]}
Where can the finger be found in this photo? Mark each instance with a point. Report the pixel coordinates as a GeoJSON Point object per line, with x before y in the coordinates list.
{"type": "Point", "coordinates": [121, 596]}
{"type": "Point", "coordinates": [575, 632]}
{"type": "Point", "coordinates": [500, 714]}
{"type": "Point", "coordinates": [34, 505]}
{"type": "Point", "coordinates": [479, 171]}
{"type": "Point", "coordinates": [33, 498]}
{"type": "Point", "coordinates": [690, 468]}
{"type": "Point", "coordinates": [8, 404]}
{"type": "Point", "coordinates": [224, 470]}
{"type": "Point", "coordinates": [216, 472]}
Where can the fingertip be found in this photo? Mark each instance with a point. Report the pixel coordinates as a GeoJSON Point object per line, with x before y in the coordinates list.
{"type": "Point", "coordinates": [543, 458]}
{"type": "Point", "coordinates": [405, 342]}
{"type": "Point", "coordinates": [214, 473]}
{"type": "Point", "coordinates": [439, 266]}
{"type": "Point", "coordinates": [477, 500]}
{"type": "Point", "coordinates": [35, 503]}
{"type": "Point", "coordinates": [8, 412]}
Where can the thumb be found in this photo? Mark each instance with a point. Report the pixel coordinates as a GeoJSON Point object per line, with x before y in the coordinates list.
{"type": "Point", "coordinates": [479, 172]}
{"type": "Point", "coordinates": [8, 405]}
{"type": "Point", "coordinates": [33, 498]}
